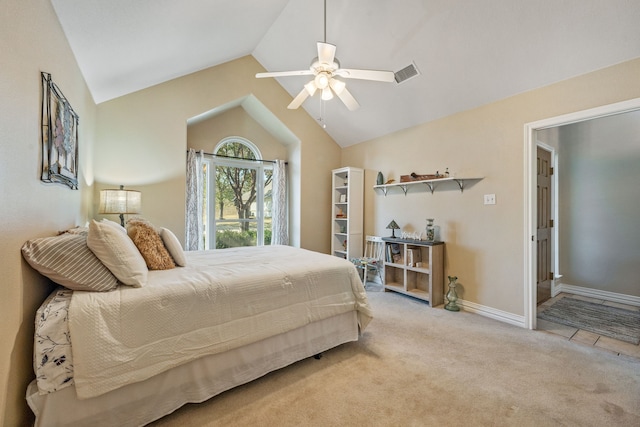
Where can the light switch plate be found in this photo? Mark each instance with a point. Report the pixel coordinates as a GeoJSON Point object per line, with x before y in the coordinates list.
{"type": "Point", "coordinates": [489, 199]}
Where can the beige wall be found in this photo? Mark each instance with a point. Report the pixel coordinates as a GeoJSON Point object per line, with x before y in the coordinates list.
{"type": "Point", "coordinates": [484, 244]}
{"type": "Point", "coordinates": [142, 142]}
{"type": "Point", "coordinates": [205, 134]}
{"type": "Point", "coordinates": [31, 41]}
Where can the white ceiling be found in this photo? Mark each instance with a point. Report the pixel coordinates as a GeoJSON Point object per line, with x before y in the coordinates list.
{"type": "Point", "coordinates": [469, 52]}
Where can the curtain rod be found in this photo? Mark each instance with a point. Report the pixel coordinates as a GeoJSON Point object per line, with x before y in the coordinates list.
{"type": "Point", "coordinates": [239, 158]}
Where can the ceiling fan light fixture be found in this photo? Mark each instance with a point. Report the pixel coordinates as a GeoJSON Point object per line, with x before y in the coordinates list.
{"type": "Point", "coordinates": [327, 94]}
{"type": "Point", "coordinates": [322, 81]}
{"type": "Point", "coordinates": [337, 85]}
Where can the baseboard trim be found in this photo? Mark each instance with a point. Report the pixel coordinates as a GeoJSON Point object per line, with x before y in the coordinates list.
{"type": "Point", "coordinates": [600, 294]}
{"type": "Point", "coordinates": [493, 313]}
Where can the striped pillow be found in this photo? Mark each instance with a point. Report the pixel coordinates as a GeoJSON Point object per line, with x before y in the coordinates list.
{"type": "Point", "coordinates": [67, 260]}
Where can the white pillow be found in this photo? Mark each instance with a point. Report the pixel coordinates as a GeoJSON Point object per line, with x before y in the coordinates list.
{"type": "Point", "coordinates": [174, 247]}
{"type": "Point", "coordinates": [118, 253]}
{"type": "Point", "coordinates": [114, 224]}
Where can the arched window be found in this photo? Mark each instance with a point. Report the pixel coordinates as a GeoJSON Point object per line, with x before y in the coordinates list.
{"type": "Point", "coordinates": [237, 193]}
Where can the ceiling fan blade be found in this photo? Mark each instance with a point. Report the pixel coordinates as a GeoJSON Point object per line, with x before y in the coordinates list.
{"type": "Point", "coordinates": [348, 99]}
{"type": "Point", "coordinates": [326, 53]}
{"type": "Point", "coordinates": [285, 73]}
{"type": "Point", "coordinates": [381, 76]}
{"type": "Point", "coordinates": [299, 99]}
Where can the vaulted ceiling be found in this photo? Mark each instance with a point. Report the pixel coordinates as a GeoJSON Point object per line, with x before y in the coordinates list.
{"type": "Point", "coordinates": [468, 52]}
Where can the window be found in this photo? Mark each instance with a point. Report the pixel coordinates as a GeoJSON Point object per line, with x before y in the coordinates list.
{"type": "Point", "coordinates": [237, 196]}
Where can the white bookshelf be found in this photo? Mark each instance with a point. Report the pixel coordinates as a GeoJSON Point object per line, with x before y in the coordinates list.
{"type": "Point", "coordinates": [347, 203]}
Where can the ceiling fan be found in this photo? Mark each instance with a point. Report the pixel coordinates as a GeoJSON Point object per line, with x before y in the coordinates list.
{"type": "Point", "coordinates": [326, 69]}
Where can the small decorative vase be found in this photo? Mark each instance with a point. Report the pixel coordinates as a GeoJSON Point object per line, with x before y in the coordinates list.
{"type": "Point", "coordinates": [431, 230]}
{"type": "Point", "coordinates": [452, 296]}
{"type": "Point", "coordinates": [379, 179]}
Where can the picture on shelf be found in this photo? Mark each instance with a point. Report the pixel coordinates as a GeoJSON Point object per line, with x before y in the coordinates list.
{"type": "Point", "coordinates": [394, 253]}
{"type": "Point", "coordinates": [343, 198]}
{"type": "Point", "coordinates": [414, 256]}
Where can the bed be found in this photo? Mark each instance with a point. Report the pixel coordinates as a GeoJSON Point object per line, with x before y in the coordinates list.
{"type": "Point", "coordinates": [130, 355]}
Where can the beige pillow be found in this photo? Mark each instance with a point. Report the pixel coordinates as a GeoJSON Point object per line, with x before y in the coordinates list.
{"type": "Point", "coordinates": [118, 253]}
{"type": "Point", "coordinates": [150, 245]}
{"type": "Point", "coordinates": [67, 260]}
{"type": "Point", "coordinates": [174, 247]}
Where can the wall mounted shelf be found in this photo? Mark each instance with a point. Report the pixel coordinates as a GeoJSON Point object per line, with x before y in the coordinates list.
{"type": "Point", "coordinates": [430, 183]}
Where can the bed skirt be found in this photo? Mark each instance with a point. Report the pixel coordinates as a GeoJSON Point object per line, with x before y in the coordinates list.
{"type": "Point", "coordinates": [143, 402]}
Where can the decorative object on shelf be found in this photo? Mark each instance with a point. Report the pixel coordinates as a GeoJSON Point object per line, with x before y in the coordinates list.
{"type": "Point", "coordinates": [390, 181]}
{"type": "Point", "coordinates": [452, 296]}
{"type": "Point", "coordinates": [415, 177]}
{"type": "Point", "coordinates": [343, 198]}
{"type": "Point", "coordinates": [379, 179]}
{"type": "Point", "coordinates": [59, 136]}
{"type": "Point", "coordinates": [393, 226]}
{"type": "Point", "coordinates": [120, 202]}
{"type": "Point", "coordinates": [431, 230]}
{"type": "Point", "coordinates": [340, 214]}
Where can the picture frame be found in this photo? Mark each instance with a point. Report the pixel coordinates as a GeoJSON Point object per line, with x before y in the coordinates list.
{"type": "Point", "coordinates": [343, 198]}
{"type": "Point", "coordinates": [59, 136]}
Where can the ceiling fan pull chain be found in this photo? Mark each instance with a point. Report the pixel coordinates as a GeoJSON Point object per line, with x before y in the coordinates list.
{"type": "Point", "coordinates": [321, 118]}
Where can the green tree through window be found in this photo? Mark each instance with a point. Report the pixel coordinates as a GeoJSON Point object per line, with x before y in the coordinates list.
{"type": "Point", "coordinates": [240, 213]}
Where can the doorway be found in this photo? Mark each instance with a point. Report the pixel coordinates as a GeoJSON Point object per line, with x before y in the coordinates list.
{"type": "Point", "coordinates": [531, 193]}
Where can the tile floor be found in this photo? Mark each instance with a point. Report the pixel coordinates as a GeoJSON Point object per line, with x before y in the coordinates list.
{"type": "Point", "coordinates": [583, 337]}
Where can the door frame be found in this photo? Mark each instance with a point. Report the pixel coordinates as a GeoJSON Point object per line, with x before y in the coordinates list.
{"type": "Point", "coordinates": [530, 182]}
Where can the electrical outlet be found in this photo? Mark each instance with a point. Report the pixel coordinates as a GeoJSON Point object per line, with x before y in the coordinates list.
{"type": "Point", "coordinates": [489, 199]}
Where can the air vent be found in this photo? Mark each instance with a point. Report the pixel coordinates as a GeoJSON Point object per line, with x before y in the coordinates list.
{"type": "Point", "coordinates": [408, 72]}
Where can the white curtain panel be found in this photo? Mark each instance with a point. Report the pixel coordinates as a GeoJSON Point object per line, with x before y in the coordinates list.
{"type": "Point", "coordinates": [280, 226]}
{"type": "Point", "coordinates": [193, 226]}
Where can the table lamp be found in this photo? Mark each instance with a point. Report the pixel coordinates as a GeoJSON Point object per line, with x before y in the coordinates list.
{"type": "Point", "coordinates": [393, 227]}
{"type": "Point", "coordinates": [120, 202]}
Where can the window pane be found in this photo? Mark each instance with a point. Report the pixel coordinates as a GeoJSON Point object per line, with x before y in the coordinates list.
{"type": "Point", "coordinates": [232, 234]}
{"type": "Point", "coordinates": [235, 192]}
{"type": "Point", "coordinates": [239, 204]}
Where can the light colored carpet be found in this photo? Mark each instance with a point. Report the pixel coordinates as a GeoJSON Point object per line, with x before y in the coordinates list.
{"type": "Point", "coordinates": [421, 366]}
{"type": "Point", "coordinates": [613, 322]}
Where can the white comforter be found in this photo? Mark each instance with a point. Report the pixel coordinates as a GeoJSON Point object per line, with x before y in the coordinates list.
{"type": "Point", "coordinates": [221, 300]}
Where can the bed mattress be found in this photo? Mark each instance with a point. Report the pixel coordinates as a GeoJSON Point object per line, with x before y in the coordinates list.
{"type": "Point", "coordinates": [220, 301]}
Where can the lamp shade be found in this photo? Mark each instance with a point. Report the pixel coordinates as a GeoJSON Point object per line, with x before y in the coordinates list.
{"type": "Point", "coordinates": [393, 226]}
{"type": "Point", "coordinates": [120, 201]}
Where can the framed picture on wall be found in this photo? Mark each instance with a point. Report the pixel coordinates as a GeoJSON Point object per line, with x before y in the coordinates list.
{"type": "Point", "coordinates": [59, 136]}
